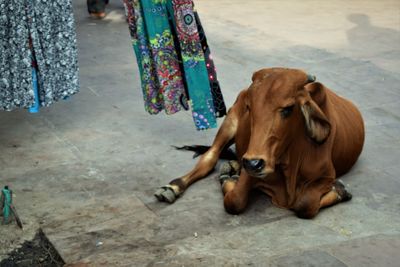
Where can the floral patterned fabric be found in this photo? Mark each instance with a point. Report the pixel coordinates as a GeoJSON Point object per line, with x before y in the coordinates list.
{"type": "Point", "coordinates": [153, 101]}
{"type": "Point", "coordinates": [171, 59]}
{"type": "Point", "coordinates": [162, 83]}
{"type": "Point", "coordinates": [194, 65]}
{"type": "Point", "coordinates": [52, 30]}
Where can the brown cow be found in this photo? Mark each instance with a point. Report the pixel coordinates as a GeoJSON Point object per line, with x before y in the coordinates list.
{"type": "Point", "coordinates": [293, 137]}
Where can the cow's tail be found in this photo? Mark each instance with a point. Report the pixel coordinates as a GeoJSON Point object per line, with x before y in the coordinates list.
{"type": "Point", "coordinates": [198, 150]}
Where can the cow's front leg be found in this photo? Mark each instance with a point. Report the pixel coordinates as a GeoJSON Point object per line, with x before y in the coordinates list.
{"type": "Point", "coordinates": [207, 162]}
{"type": "Point", "coordinates": [235, 187]}
{"type": "Point", "coordinates": [320, 196]}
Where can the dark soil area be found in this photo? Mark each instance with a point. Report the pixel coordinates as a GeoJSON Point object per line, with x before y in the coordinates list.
{"type": "Point", "coordinates": [38, 252]}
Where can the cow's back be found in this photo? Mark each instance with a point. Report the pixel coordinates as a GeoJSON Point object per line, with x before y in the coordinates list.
{"type": "Point", "coordinates": [348, 131]}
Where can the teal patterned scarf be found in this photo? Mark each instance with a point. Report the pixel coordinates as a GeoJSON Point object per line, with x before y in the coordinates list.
{"type": "Point", "coordinates": [171, 59]}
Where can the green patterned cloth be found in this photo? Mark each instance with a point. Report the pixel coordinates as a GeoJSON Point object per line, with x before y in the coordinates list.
{"type": "Point", "coordinates": [170, 59]}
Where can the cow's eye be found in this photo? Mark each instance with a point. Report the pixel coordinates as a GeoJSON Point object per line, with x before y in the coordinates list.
{"type": "Point", "coordinates": [285, 112]}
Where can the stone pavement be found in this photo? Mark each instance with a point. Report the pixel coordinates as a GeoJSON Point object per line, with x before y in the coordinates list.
{"type": "Point", "coordinates": [84, 170]}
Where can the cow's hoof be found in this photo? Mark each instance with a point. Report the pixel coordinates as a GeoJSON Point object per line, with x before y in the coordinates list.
{"type": "Point", "coordinates": [166, 194]}
{"type": "Point", "coordinates": [224, 172]}
{"type": "Point", "coordinates": [229, 171]}
{"type": "Point", "coordinates": [342, 191]}
{"type": "Point", "coordinates": [235, 167]}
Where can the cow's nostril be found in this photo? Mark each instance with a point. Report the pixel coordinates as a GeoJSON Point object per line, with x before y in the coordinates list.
{"type": "Point", "coordinates": [253, 164]}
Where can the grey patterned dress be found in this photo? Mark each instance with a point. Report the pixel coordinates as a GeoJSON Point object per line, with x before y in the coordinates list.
{"type": "Point", "coordinates": [50, 25]}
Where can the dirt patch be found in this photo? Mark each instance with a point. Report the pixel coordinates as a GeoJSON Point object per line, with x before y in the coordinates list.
{"type": "Point", "coordinates": [37, 252]}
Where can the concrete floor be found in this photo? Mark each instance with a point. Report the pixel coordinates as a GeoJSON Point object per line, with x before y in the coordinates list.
{"type": "Point", "coordinates": [84, 170]}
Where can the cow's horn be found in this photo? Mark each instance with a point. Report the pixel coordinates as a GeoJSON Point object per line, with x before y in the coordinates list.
{"type": "Point", "coordinates": [311, 78]}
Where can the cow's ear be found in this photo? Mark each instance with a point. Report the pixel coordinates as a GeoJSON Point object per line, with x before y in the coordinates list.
{"type": "Point", "coordinates": [317, 124]}
{"type": "Point", "coordinates": [317, 92]}
{"type": "Point", "coordinates": [257, 75]}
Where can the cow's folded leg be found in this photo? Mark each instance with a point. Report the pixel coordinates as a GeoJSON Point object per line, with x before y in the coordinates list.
{"type": "Point", "coordinates": [236, 192]}
{"type": "Point", "coordinates": [314, 195]}
{"type": "Point", "coordinates": [311, 202]}
{"type": "Point", "coordinates": [316, 198]}
{"type": "Point", "coordinates": [308, 205]}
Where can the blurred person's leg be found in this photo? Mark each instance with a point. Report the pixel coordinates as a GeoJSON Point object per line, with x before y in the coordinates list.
{"type": "Point", "coordinates": [97, 8]}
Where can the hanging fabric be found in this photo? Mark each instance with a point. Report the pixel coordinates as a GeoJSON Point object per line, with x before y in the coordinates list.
{"type": "Point", "coordinates": [194, 65]}
{"type": "Point", "coordinates": [164, 55]}
{"type": "Point", "coordinates": [153, 101]}
{"type": "Point", "coordinates": [171, 59]}
{"type": "Point", "coordinates": [153, 43]}
{"type": "Point", "coordinates": [52, 31]}
{"type": "Point", "coordinates": [219, 103]}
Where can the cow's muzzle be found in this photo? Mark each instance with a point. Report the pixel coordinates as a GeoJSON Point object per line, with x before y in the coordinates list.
{"type": "Point", "coordinates": [257, 167]}
{"type": "Point", "coordinates": [254, 167]}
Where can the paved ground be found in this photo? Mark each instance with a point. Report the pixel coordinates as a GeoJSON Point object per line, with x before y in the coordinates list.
{"type": "Point", "coordinates": [84, 170]}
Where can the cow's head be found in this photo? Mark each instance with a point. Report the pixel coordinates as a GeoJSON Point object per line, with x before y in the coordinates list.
{"type": "Point", "coordinates": [283, 104]}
